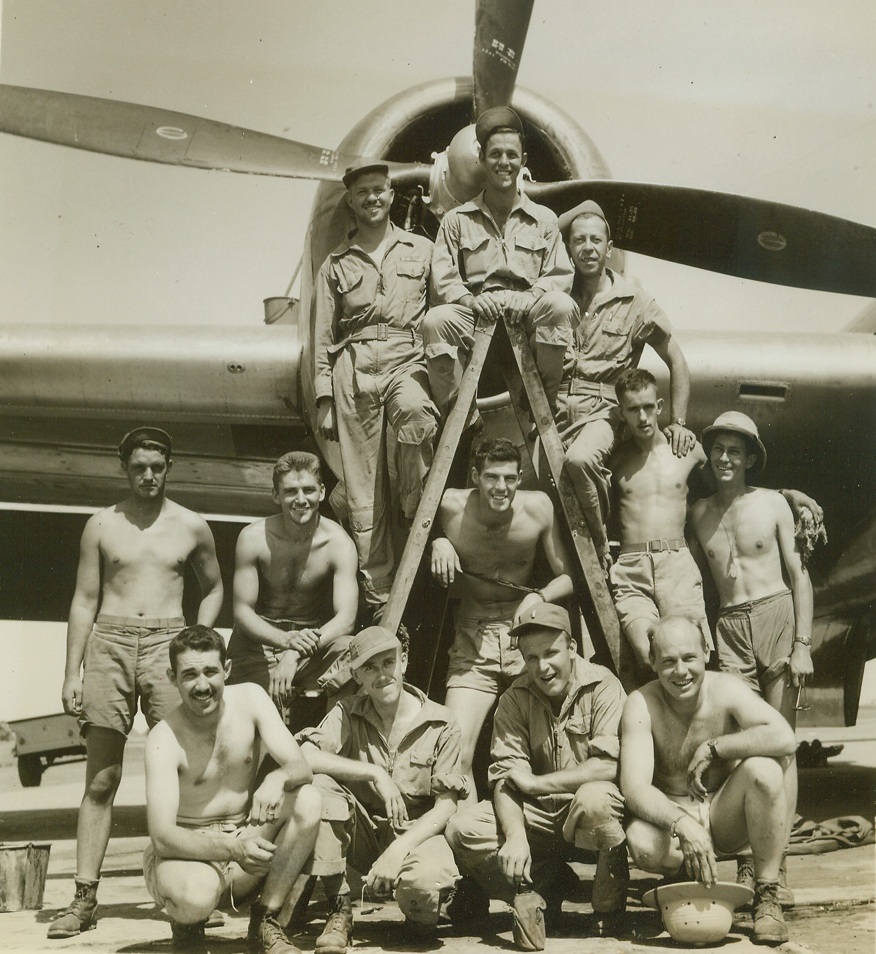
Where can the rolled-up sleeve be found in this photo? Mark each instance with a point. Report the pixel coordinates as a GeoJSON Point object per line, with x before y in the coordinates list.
{"type": "Point", "coordinates": [510, 747]}
{"type": "Point", "coordinates": [331, 735]}
{"type": "Point", "coordinates": [326, 308]}
{"type": "Point", "coordinates": [447, 773]}
{"type": "Point", "coordinates": [447, 286]}
{"type": "Point", "coordinates": [608, 703]}
{"type": "Point", "coordinates": [557, 271]}
{"type": "Point", "coordinates": [654, 327]}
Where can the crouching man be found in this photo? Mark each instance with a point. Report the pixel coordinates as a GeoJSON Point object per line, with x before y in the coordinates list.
{"type": "Point", "coordinates": [554, 765]}
{"type": "Point", "coordinates": [705, 771]}
{"type": "Point", "coordinates": [215, 836]}
{"type": "Point", "coordinates": [388, 769]}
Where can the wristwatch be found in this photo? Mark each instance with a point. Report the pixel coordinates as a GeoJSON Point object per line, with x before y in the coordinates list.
{"type": "Point", "coordinates": [680, 421]}
{"type": "Point", "coordinates": [803, 640]}
{"type": "Point", "coordinates": [713, 749]}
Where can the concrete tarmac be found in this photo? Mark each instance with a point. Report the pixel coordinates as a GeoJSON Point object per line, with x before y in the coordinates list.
{"type": "Point", "coordinates": [834, 892]}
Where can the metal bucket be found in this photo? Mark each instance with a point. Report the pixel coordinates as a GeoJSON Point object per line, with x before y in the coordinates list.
{"type": "Point", "coordinates": [278, 309]}
{"type": "Point", "coordinates": [23, 876]}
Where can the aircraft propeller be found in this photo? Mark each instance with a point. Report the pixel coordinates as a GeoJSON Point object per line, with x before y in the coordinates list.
{"type": "Point", "coordinates": [162, 135]}
{"type": "Point", "coordinates": [500, 32]}
{"type": "Point", "coordinates": [731, 234]}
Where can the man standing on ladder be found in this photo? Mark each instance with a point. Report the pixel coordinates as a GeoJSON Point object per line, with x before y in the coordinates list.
{"type": "Point", "coordinates": [370, 300]}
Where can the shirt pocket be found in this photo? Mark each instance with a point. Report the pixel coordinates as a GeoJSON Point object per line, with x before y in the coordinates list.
{"type": "Point", "coordinates": [578, 736]}
{"type": "Point", "coordinates": [356, 295]}
{"type": "Point", "coordinates": [527, 257]}
{"type": "Point", "coordinates": [410, 275]}
{"type": "Point", "coordinates": [614, 338]}
{"type": "Point", "coordinates": [474, 261]}
{"type": "Point", "coordinates": [419, 775]}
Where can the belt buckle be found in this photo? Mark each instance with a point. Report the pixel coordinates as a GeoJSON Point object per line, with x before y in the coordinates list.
{"type": "Point", "coordinates": [382, 332]}
{"type": "Point", "coordinates": [658, 546]}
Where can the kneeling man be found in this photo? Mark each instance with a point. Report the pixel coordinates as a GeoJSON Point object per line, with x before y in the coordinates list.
{"type": "Point", "coordinates": [704, 770]}
{"type": "Point", "coordinates": [215, 836]}
{"type": "Point", "coordinates": [390, 776]}
{"type": "Point", "coordinates": [555, 750]}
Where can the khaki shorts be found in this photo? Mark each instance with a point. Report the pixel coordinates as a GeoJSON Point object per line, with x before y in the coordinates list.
{"type": "Point", "coordinates": [324, 673]}
{"type": "Point", "coordinates": [755, 639]}
{"type": "Point", "coordinates": [701, 811]}
{"type": "Point", "coordinates": [482, 656]}
{"type": "Point", "coordinates": [126, 660]}
{"type": "Point", "coordinates": [651, 585]}
{"type": "Point", "coordinates": [225, 869]}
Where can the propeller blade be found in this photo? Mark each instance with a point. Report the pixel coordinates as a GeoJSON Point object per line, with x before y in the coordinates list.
{"type": "Point", "coordinates": [160, 135]}
{"type": "Point", "coordinates": [500, 33]}
{"type": "Point", "coordinates": [732, 234]}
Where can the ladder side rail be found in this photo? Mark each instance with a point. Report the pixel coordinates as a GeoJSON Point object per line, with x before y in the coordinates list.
{"type": "Point", "coordinates": [607, 631]}
{"type": "Point", "coordinates": [433, 490]}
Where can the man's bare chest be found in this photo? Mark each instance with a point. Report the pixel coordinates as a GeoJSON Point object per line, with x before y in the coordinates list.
{"type": "Point", "coordinates": [156, 547]}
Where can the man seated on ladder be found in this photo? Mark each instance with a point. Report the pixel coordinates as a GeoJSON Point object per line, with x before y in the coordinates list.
{"type": "Point", "coordinates": [499, 255]}
{"type": "Point", "coordinates": [613, 323]}
{"type": "Point", "coordinates": [492, 534]}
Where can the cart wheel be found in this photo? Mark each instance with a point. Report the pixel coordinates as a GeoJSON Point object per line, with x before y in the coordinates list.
{"type": "Point", "coordinates": [30, 770]}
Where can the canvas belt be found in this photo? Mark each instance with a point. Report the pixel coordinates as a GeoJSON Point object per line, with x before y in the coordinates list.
{"type": "Point", "coordinates": [378, 332]}
{"type": "Point", "coordinates": [578, 385]}
{"type": "Point", "coordinates": [654, 546]}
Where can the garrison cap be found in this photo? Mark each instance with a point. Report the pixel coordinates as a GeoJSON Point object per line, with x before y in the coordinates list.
{"type": "Point", "coordinates": [133, 438]}
{"type": "Point", "coordinates": [369, 642]}
{"type": "Point", "coordinates": [499, 117]}
{"type": "Point", "coordinates": [542, 616]}
{"type": "Point", "coordinates": [361, 166]}
{"type": "Point", "coordinates": [737, 423]}
{"type": "Point", "coordinates": [587, 207]}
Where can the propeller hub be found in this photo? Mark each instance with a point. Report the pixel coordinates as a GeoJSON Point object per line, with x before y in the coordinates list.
{"type": "Point", "coordinates": [464, 178]}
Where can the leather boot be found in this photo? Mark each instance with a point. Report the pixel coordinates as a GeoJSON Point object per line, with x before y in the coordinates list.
{"type": "Point", "coordinates": [528, 927]}
{"type": "Point", "coordinates": [81, 915]}
{"type": "Point", "coordinates": [265, 933]}
{"type": "Point", "coordinates": [338, 929]}
{"type": "Point", "coordinates": [769, 923]}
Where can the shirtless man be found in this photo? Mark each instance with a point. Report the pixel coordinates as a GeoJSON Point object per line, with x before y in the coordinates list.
{"type": "Point", "coordinates": [295, 592]}
{"type": "Point", "coordinates": [747, 534]}
{"type": "Point", "coordinates": [492, 534]}
{"type": "Point", "coordinates": [655, 574]}
{"type": "Point", "coordinates": [764, 630]}
{"type": "Point", "coordinates": [705, 769]}
{"type": "Point", "coordinates": [132, 562]}
{"type": "Point", "coordinates": [215, 836]}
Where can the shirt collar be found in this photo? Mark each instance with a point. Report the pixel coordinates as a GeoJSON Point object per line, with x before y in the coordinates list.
{"type": "Point", "coordinates": [584, 675]}
{"type": "Point", "coordinates": [430, 711]}
{"type": "Point", "coordinates": [522, 203]}
{"type": "Point", "coordinates": [395, 235]}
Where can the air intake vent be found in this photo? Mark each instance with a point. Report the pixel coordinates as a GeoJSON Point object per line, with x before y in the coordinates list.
{"type": "Point", "coordinates": [761, 391]}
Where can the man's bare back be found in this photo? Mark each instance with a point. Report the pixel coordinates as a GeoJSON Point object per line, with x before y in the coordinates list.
{"type": "Point", "coordinates": [676, 738]}
{"type": "Point", "coordinates": [651, 490]}
{"type": "Point", "coordinates": [741, 543]}
{"type": "Point", "coordinates": [143, 560]}
{"type": "Point", "coordinates": [216, 770]}
{"type": "Point", "coordinates": [496, 549]}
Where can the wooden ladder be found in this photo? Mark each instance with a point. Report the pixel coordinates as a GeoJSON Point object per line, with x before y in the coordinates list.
{"type": "Point", "coordinates": [598, 610]}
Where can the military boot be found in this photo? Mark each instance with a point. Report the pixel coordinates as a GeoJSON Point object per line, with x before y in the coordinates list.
{"type": "Point", "coordinates": [769, 922]}
{"type": "Point", "coordinates": [338, 929]}
{"type": "Point", "coordinates": [265, 934]}
{"type": "Point", "coordinates": [610, 882]}
{"type": "Point", "coordinates": [82, 913]}
{"type": "Point", "coordinates": [528, 928]}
